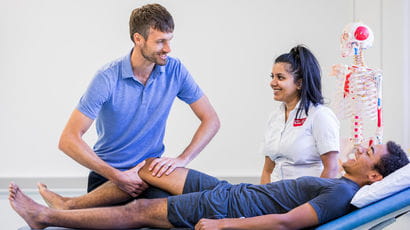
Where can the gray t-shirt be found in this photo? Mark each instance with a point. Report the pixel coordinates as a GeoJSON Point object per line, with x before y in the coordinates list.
{"type": "Point", "coordinates": [329, 197]}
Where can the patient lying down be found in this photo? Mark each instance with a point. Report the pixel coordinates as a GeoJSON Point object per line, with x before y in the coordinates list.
{"type": "Point", "coordinates": [205, 202]}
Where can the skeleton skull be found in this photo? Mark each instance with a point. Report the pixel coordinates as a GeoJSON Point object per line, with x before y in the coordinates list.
{"type": "Point", "coordinates": [355, 36]}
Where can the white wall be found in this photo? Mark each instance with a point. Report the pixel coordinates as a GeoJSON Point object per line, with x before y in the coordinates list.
{"type": "Point", "coordinates": [50, 50]}
{"type": "Point", "coordinates": [396, 66]}
{"type": "Point", "coordinates": [406, 73]}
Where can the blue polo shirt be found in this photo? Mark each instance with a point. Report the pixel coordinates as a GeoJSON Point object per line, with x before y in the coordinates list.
{"type": "Point", "coordinates": [131, 117]}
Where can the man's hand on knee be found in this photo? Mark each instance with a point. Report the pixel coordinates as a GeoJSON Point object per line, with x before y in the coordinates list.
{"type": "Point", "coordinates": [165, 165]}
{"type": "Point", "coordinates": [130, 182]}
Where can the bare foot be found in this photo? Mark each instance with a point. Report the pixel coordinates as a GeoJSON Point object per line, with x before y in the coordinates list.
{"type": "Point", "coordinates": [29, 210]}
{"type": "Point", "coordinates": [52, 199]}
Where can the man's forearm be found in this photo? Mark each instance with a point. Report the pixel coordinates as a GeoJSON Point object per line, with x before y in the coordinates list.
{"type": "Point", "coordinates": [79, 151]}
{"type": "Point", "coordinates": [203, 135]}
{"type": "Point", "coordinates": [72, 144]}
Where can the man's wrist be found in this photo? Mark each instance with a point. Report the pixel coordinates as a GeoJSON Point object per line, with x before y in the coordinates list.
{"type": "Point", "coordinates": [114, 175]}
{"type": "Point", "coordinates": [187, 157]}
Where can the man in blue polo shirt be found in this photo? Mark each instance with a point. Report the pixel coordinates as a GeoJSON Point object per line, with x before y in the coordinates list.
{"type": "Point", "coordinates": [130, 99]}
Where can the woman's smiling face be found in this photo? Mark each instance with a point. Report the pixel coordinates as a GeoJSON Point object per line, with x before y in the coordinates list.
{"type": "Point", "coordinates": [283, 84]}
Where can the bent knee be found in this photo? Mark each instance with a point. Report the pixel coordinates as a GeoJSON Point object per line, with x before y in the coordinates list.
{"type": "Point", "coordinates": [144, 171]}
{"type": "Point", "coordinates": [149, 160]}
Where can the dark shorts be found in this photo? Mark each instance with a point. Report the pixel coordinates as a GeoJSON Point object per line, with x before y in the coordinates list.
{"type": "Point", "coordinates": [204, 197]}
{"type": "Point", "coordinates": [95, 180]}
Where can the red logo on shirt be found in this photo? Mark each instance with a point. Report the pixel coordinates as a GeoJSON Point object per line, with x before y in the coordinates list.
{"type": "Point", "coordinates": [299, 122]}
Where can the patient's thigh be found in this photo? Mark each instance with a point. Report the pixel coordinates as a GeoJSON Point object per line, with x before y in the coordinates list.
{"type": "Point", "coordinates": [197, 181]}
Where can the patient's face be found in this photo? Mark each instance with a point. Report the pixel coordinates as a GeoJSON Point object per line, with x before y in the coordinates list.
{"type": "Point", "coordinates": [365, 159]}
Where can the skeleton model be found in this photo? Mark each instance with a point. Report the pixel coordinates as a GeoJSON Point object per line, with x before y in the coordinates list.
{"type": "Point", "coordinates": [359, 96]}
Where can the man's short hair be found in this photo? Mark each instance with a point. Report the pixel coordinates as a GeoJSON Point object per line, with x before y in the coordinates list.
{"type": "Point", "coordinates": [389, 163]}
{"type": "Point", "coordinates": [150, 16]}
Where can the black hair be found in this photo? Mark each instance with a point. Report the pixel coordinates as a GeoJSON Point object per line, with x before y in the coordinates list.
{"type": "Point", "coordinates": [389, 163]}
{"type": "Point", "coordinates": [304, 66]}
{"type": "Point", "coordinates": [150, 16]}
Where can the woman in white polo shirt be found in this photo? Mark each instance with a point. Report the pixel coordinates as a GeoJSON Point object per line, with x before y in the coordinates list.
{"type": "Point", "coordinates": [302, 138]}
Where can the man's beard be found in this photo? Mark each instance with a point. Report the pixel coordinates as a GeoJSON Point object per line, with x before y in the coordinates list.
{"type": "Point", "coordinates": [152, 58]}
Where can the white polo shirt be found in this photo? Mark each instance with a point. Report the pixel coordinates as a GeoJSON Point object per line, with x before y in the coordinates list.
{"type": "Point", "coordinates": [296, 145]}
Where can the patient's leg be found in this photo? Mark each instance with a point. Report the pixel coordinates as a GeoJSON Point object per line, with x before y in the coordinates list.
{"type": "Point", "coordinates": [105, 195]}
{"type": "Point", "coordinates": [138, 213]}
{"type": "Point", "coordinates": [172, 183]}
{"type": "Point", "coordinates": [109, 194]}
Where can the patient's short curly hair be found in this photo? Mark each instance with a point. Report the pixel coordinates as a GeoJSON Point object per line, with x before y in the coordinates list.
{"type": "Point", "coordinates": [396, 159]}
